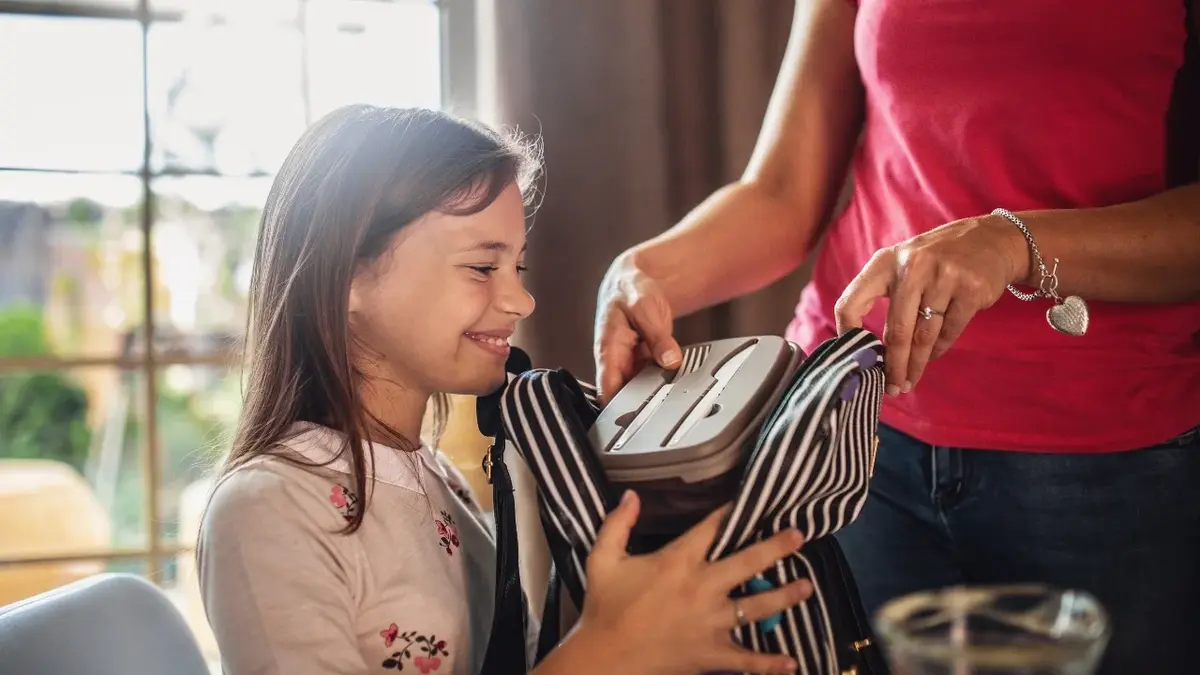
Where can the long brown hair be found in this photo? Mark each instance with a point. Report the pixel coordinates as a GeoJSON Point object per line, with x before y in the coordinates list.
{"type": "Point", "coordinates": [353, 180]}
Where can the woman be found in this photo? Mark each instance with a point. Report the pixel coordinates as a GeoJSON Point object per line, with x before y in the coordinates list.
{"type": "Point", "coordinates": [387, 275]}
{"type": "Point", "coordinates": [1010, 451]}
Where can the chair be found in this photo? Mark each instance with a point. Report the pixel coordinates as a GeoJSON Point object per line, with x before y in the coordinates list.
{"type": "Point", "coordinates": [109, 624]}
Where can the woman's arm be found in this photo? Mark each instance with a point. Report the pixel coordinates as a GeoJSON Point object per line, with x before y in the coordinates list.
{"type": "Point", "coordinates": [1146, 251]}
{"type": "Point", "coordinates": [753, 232]}
{"type": "Point", "coordinates": [749, 234]}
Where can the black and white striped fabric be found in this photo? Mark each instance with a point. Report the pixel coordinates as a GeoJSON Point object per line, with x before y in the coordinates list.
{"type": "Point", "coordinates": [809, 469]}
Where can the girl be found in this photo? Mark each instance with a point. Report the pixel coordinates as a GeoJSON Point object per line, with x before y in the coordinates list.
{"type": "Point", "coordinates": [387, 275]}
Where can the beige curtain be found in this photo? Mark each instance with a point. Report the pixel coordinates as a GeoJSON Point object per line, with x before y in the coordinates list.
{"type": "Point", "coordinates": [645, 107]}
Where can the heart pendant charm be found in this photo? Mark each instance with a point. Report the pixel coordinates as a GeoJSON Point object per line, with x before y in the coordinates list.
{"type": "Point", "coordinates": [1070, 316]}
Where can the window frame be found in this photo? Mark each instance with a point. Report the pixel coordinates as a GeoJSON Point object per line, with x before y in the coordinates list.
{"type": "Point", "coordinates": [458, 31]}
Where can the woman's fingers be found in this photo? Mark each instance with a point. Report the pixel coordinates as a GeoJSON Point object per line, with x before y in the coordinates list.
{"type": "Point", "coordinates": [615, 353]}
{"type": "Point", "coordinates": [750, 561]}
{"type": "Point", "coordinates": [958, 315]}
{"type": "Point", "coordinates": [925, 335]}
{"type": "Point", "coordinates": [871, 284]}
{"type": "Point", "coordinates": [634, 322]}
{"type": "Point", "coordinates": [904, 311]}
{"type": "Point", "coordinates": [650, 315]}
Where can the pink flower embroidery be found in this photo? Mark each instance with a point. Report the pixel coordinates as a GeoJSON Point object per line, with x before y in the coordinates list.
{"type": "Point", "coordinates": [338, 497]}
{"type": "Point", "coordinates": [429, 650]}
{"type": "Point", "coordinates": [427, 664]}
{"type": "Point", "coordinates": [447, 533]}
{"type": "Point", "coordinates": [345, 501]}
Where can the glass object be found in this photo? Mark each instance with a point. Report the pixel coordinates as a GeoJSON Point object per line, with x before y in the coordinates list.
{"type": "Point", "coordinates": [70, 463]}
{"type": "Point", "coordinates": [994, 630]}
{"type": "Point", "coordinates": [72, 93]}
{"type": "Point", "coordinates": [224, 97]}
{"type": "Point", "coordinates": [71, 264]}
{"type": "Point", "coordinates": [205, 231]}
{"type": "Point", "coordinates": [198, 408]}
{"type": "Point", "coordinates": [381, 53]}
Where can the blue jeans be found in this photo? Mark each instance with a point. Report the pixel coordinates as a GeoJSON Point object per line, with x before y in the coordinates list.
{"type": "Point", "coordinates": [1123, 526]}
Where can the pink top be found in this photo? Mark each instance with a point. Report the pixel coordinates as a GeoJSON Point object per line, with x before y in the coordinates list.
{"type": "Point", "coordinates": [1022, 105]}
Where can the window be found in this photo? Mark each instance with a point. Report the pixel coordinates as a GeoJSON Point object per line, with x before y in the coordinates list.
{"type": "Point", "coordinates": [137, 145]}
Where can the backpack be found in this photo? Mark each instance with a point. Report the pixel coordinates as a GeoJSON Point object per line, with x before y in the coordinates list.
{"type": "Point", "coordinates": [807, 464]}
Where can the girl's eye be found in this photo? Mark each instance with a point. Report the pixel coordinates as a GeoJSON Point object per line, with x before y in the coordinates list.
{"type": "Point", "coordinates": [487, 270]}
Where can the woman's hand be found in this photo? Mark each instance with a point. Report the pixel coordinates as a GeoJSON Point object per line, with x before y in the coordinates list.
{"type": "Point", "coordinates": [670, 611]}
{"type": "Point", "coordinates": [955, 270]}
{"type": "Point", "coordinates": [634, 323]}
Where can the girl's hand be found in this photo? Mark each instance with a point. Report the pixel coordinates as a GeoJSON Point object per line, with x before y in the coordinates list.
{"type": "Point", "coordinates": [955, 270]}
{"type": "Point", "coordinates": [670, 611]}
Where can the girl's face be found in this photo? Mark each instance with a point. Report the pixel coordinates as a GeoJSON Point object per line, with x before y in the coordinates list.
{"type": "Point", "coordinates": [434, 313]}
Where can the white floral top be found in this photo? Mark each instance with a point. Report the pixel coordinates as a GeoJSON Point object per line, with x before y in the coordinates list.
{"type": "Point", "coordinates": [287, 594]}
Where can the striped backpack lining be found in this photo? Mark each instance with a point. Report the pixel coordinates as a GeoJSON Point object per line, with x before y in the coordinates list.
{"type": "Point", "coordinates": [809, 469]}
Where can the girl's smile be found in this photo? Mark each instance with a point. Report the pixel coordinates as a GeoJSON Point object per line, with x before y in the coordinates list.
{"type": "Point", "coordinates": [493, 342]}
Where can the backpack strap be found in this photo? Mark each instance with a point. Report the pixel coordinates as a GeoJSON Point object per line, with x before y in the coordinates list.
{"type": "Point", "coordinates": [551, 631]}
{"type": "Point", "coordinates": [506, 649]}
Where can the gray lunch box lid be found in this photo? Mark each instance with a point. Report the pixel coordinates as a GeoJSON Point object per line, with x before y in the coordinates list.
{"type": "Point", "coordinates": [694, 423]}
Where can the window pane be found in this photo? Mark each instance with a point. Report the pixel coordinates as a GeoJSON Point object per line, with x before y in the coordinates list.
{"type": "Point", "coordinates": [70, 455]}
{"type": "Point", "coordinates": [121, 4]}
{"type": "Point", "coordinates": [198, 408]}
{"type": "Point", "coordinates": [224, 98]}
{"type": "Point", "coordinates": [73, 93]}
{"type": "Point", "coordinates": [232, 11]}
{"type": "Point", "coordinates": [373, 52]}
{"type": "Point", "coordinates": [70, 264]}
{"type": "Point", "coordinates": [204, 237]}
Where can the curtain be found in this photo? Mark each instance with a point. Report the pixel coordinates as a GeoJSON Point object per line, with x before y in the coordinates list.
{"type": "Point", "coordinates": [644, 107]}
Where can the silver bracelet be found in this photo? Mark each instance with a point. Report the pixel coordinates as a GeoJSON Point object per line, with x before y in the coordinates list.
{"type": "Point", "coordinates": [1068, 315]}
